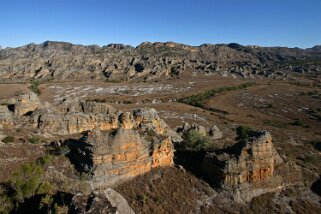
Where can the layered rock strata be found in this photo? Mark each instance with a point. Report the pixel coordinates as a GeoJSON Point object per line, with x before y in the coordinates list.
{"type": "Point", "coordinates": [140, 141]}
{"type": "Point", "coordinates": [247, 169]}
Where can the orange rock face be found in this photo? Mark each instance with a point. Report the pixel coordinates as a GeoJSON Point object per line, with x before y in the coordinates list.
{"type": "Point", "coordinates": [140, 142]}
{"type": "Point", "coordinates": [163, 154]}
{"type": "Point", "coordinates": [248, 162]}
{"type": "Point", "coordinates": [247, 167]}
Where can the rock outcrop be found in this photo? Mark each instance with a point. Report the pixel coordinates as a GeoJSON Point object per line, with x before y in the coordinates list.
{"type": "Point", "coordinates": [107, 202]}
{"type": "Point", "coordinates": [63, 61]}
{"type": "Point", "coordinates": [26, 103]}
{"type": "Point", "coordinates": [212, 133]}
{"type": "Point", "coordinates": [137, 143]}
{"type": "Point", "coordinates": [2, 136]}
{"type": "Point", "coordinates": [215, 132]}
{"type": "Point", "coordinates": [247, 169]}
{"type": "Point", "coordinates": [76, 116]}
{"type": "Point", "coordinates": [6, 118]}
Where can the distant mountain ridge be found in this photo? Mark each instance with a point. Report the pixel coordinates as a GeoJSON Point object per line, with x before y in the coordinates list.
{"type": "Point", "coordinates": [62, 61]}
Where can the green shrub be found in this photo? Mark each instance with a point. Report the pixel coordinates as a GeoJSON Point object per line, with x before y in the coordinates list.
{"type": "Point", "coordinates": [46, 202]}
{"type": "Point", "coordinates": [61, 150]}
{"type": "Point", "coordinates": [244, 132]}
{"type": "Point", "coordinates": [46, 160]}
{"type": "Point", "coordinates": [270, 105]}
{"type": "Point", "coordinates": [34, 87]}
{"type": "Point", "coordinates": [193, 139]}
{"type": "Point", "coordinates": [112, 81]}
{"type": "Point", "coordinates": [8, 139]}
{"type": "Point", "coordinates": [34, 140]}
{"type": "Point", "coordinates": [26, 182]}
{"type": "Point", "coordinates": [85, 176]}
{"type": "Point", "coordinates": [142, 199]}
{"type": "Point", "coordinates": [45, 188]}
{"type": "Point", "coordinates": [298, 122]}
{"type": "Point", "coordinates": [6, 204]}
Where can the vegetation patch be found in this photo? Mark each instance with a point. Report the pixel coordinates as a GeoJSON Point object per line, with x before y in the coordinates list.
{"type": "Point", "coordinates": [269, 105]}
{"type": "Point", "coordinates": [112, 81]}
{"type": "Point", "coordinates": [244, 132]}
{"type": "Point", "coordinates": [8, 139]}
{"type": "Point", "coordinates": [194, 140]}
{"type": "Point", "coordinates": [34, 140]}
{"type": "Point", "coordinates": [277, 124]}
{"type": "Point", "coordinates": [34, 87]}
{"type": "Point", "coordinates": [298, 122]}
{"type": "Point", "coordinates": [198, 100]}
{"type": "Point", "coordinates": [26, 183]}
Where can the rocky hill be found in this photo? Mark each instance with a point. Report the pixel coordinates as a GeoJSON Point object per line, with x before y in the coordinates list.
{"type": "Point", "coordinates": [61, 61]}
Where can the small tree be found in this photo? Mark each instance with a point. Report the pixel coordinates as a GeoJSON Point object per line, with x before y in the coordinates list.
{"type": "Point", "coordinates": [193, 139]}
{"type": "Point", "coordinates": [244, 132]}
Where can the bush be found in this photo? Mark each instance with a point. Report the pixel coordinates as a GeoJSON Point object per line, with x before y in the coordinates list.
{"type": "Point", "coordinates": [6, 204]}
{"type": "Point", "coordinates": [85, 176]}
{"type": "Point", "coordinates": [61, 150]}
{"type": "Point", "coordinates": [193, 139]}
{"type": "Point", "coordinates": [34, 140]}
{"type": "Point", "coordinates": [8, 139]}
{"type": "Point", "coordinates": [46, 160]}
{"type": "Point", "coordinates": [244, 132]}
{"type": "Point", "coordinates": [142, 199]}
{"type": "Point", "coordinates": [46, 202]}
{"type": "Point", "coordinates": [298, 122]}
{"type": "Point", "coordinates": [34, 87]}
{"type": "Point", "coordinates": [270, 105]}
{"type": "Point", "coordinates": [26, 182]}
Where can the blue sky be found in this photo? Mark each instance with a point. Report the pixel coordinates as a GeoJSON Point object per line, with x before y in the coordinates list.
{"type": "Point", "coordinates": [292, 23]}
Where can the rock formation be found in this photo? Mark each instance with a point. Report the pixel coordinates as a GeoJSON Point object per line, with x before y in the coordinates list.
{"type": "Point", "coordinates": [108, 201]}
{"type": "Point", "coordinates": [26, 103]}
{"type": "Point", "coordinates": [215, 133]}
{"type": "Point", "coordinates": [76, 116]}
{"type": "Point", "coordinates": [212, 133]}
{"type": "Point", "coordinates": [139, 143]}
{"type": "Point", "coordinates": [64, 61]}
{"type": "Point", "coordinates": [22, 105]}
{"type": "Point", "coordinates": [247, 169]}
{"type": "Point", "coordinates": [6, 119]}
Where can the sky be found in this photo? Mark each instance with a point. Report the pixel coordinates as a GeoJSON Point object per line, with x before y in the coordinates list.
{"type": "Point", "coordinates": [291, 23]}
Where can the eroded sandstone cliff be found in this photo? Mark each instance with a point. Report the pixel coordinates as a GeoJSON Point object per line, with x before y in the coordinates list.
{"type": "Point", "coordinates": [247, 169]}
{"type": "Point", "coordinates": [140, 141]}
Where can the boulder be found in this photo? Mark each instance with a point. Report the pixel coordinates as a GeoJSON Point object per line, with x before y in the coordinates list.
{"type": "Point", "coordinates": [108, 201]}
{"type": "Point", "coordinates": [26, 103]}
{"type": "Point", "coordinates": [5, 116]}
{"type": "Point", "coordinates": [215, 133]}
